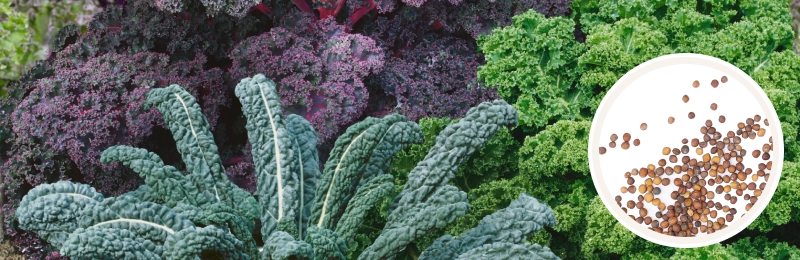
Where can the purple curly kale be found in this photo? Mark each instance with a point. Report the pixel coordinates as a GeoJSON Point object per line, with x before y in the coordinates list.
{"type": "Point", "coordinates": [319, 70]}
{"type": "Point", "coordinates": [436, 78]}
{"type": "Point", "coordinates": [237, 8]}
{"type": "Point", "coordinates": [85, 107]}
{"type": "Point", "coordinates": [479, 17]}
{"type": "Point", "coordinates": [87, 96]}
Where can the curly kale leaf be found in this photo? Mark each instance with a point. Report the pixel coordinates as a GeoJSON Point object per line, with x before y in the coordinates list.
{"type": "Point", "coordinates": [533, 64]}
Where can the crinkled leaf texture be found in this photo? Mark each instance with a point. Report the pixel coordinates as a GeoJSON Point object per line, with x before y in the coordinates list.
{"type": "Point", "coordinates": [512, 225]}
{"type": "Point", "coordinates": [428, 202]}
{"type": "Point", "coordinates": [304, 214]}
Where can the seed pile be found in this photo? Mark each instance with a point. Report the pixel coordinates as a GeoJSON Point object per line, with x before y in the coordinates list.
{"type": "Point", "coordinates": [706, 175]}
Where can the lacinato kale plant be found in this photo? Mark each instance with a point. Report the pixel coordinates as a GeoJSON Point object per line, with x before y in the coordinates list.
{"type": "Point", "coordinates": [298, 211]}
{"type": "Point", "coordinates": [334, 63]}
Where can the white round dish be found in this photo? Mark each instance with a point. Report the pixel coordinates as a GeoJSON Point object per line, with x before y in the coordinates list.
{"type": "Point", "coordinates": [651, 93]}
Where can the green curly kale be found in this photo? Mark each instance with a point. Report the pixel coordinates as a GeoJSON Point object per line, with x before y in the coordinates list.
{"type": "Point", "coordinates": [538, 65]}
{"type": "Point", "coordinates": [303, 213]}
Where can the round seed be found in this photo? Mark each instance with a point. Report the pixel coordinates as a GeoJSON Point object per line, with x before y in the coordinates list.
{"type": "Point", "coordinates": [672, 120]}
{"type": "Point", "coordinates": [761, 132]}
{"type": "Point", "coordinates": [648, 197]}
{"type": "Point", "coordinates": [714, 83]}
{"type": "Point", "coordinates": [612, 144]}
{"type": "Point", "coordinates": [636, 142]}
{"type": "Point", "coordinates": [665, 151]}
{"type": "Point", "coordinates": [631, 181]}
{"type": "Point", "coordinates": [722, 119]}
{"type": "Point", "coordinates": [765, 156]}
{"type": "Point", "coordinates": [757, 118]}
{"type": "Point", "coordinates": [713, 106]}
{"type": "Point", "coordinates": [685, 99]}
{"type": "Point", "coordinates": [626, 137]}
{"type": "Point", "coordinates": [643, 126]}
{"type": "Point", "coordinates": [631, 204]}
{"type": "Point", "coordinates": [756, 153]}
{"type": "Point", "coordinates": [626, 145]}
{"type": "Point", "coordinates": [729, 217]}
{"type": "Point", "coordinates": [699, 151]}
{"type": "Point", "coordinates": [696, 84]}
{"type": "Point", "coordinates": [724, 79]}
{"type": "Point", "coordinates": [657, 190]}
{"type": "Point", "coordinates": [631, 189]}
{"type": "Point", "coordinates": [602, 150]}
{"type": "Point", "coordinates": [614, 137]}
{"type": "Point", "coordinates": [691, 115]}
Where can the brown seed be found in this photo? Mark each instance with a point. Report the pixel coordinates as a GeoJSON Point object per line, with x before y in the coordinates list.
{"type": "Point", "coordinates": [766, 122]}
{"type": "Point", "coordinates": [741, 125]}
{"type": "Point", "coordinates": [631, 204]}
{"type": "Point", "coordinates": [696, 84]}
{"type": "Point", "coordinates": [713, 106]}
{"type": "Point", "coordinates": [612, 144]}
{"type": "Point", "coordinates": [643, 126]}
{"type": "Point", "coordinates": [691, 115]}
{"type": "Point", "coordinates": [685, 99]}
{"type": "Point", "coordinates": [602, 150]}
{"type": "Point", "coordinates": [769, 164]}
{"type": "Point", "coordinates": [614, 137]}
{"type": "Point", "coordinates": [648, 197]}
{"type": "Point", "coordinates": [670, 120]}
{"type": "Point", "coordinates": [757, 193]}
{"type": "Point", "coordinates": [750, 121]}
{"type": "Point", "coordinates": [761, 132]}
{"type": "Point", "coordinates": [631, 181]}
{"type": "Point", "coordinates": [748, 206]}
{"type": "Point", "coordinates": [662, 162]}
{"type": "Point", "coordinates": [684, 149]}
{"type": "Point", "coordinates": [642, 212]}
{"type": "Point", "coordinates": [639, 205]}
{"type": "Point", "coordinates": [739, 192]}
{"type": "Point", "coordinates": [626, 137]}
{"type": "Point", "coordinates": [734, 199]}
{"type": "Point", "coordinates": [636, 142]}
{"type": "Point", "coordinates": [631, 189]}
{"type": "Point", "coordinates": [722, 119]}
{"type": "Point", "coordinates": [765, 156]}
{"type": "Point", "coordinates": [714, 83]}
{"type": "Point", "coordinates": [729, 217]}
{"type": "Point", "coordinates": [673, 159]}
{"type": "Point", "coordinates": [756, 153]}
{"type": "Point", "coordinates": [626, 145]}
{"type": "Point", "coordinates": [678, 182]}
{"type": "Point", "coordinates": [724, 79]}
{"type": "Point", "coordinates": [695, 142]}
{"type": "Point", "coordinates": [762, 186]}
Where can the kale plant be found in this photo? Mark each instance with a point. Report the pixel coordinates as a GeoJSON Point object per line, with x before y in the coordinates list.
{"type": "Point", "coordinates": [297, 212]}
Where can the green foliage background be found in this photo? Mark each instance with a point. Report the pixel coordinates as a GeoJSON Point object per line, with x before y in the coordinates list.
{"type": "Point", "coordinates": [26, 27]}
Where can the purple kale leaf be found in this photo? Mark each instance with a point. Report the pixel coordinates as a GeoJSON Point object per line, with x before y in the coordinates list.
{"type": "Point", "coordinates": [319, 69]}
{"type": "Point", "coordinates": [436, 78]}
